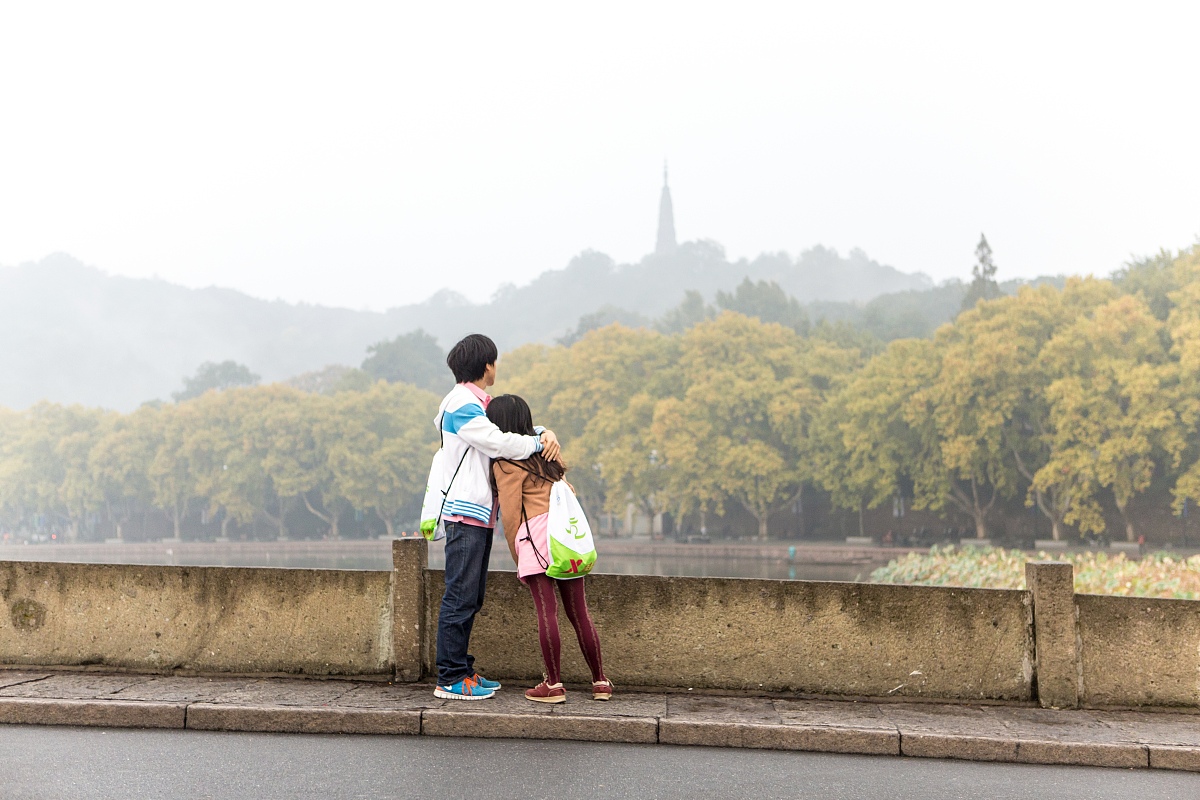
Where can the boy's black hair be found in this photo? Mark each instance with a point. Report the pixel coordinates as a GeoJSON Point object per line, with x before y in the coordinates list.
{"type": "Point", "coordinates": [468, 359]}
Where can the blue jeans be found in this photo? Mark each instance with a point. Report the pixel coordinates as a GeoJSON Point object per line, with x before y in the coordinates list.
{"type": "Point", "coordinates": [468, 548]}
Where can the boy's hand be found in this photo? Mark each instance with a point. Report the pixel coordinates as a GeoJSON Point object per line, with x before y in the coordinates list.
{"type": "Point", "coordinates": [550, 446]}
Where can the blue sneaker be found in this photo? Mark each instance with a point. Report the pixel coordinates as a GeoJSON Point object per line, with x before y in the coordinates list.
{"type": "Point", "coordinates": [466, 689]}
{"type": "Point", "coordinates": [485, 683]}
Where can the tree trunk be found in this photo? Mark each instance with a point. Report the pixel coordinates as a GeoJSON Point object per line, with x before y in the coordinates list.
{"type": "Point", "coordinates": [276, 522]}
{"type": "Point", "coordinates": [1039, 497]}
{"type": "Point", "coordinates": [387, 523]}
{"type": "Point", "coordinates": [762, 527]}
{"type": "Point", "coordinates": [972, 506]}
{"type": "Point", "coordinates": [330, 519]}
{"type": "Point", "coordinates": [177, 519]}
{"type": "Point", "coordinates": [282, 527]}
{"type": "Point", "coordinates": [1049, 512]}
{"type": "Point", "coordinates": [980, 511]}
{"type": "Point", "coordinates": [1130, 534]}
{"type": "Point", "coordinates": [861, 529]}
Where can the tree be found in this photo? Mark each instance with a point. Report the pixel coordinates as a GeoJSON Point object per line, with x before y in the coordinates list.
{"type": "Point", "coordinates": [119, 464]}
{"type": "Point", "coordinates": [1153, 279]}
{"type": "Point", "coordinates": [969, 463]}
{"type": "Point", "coordinates": [692, 311]}
{"type": "Point", "coordinates": [12, 426]}
{"type": "Point", "coordinates": [172, 471]}
{"type": "Point", "coordinates": [911, 314]}
{"type": "Point", "coordinates": [378, 444]}
{"type": "Point", "coordinates": [1112, 409]}
{"type": "Point", "coordinates": [604, 317]}
{"type": "Point", "coordinates": [282, 434]}
{"type": "Point", "coordinates": [209, 446]}
{"type": "Point", "coordinates": [983, 284]}
{"type": "Point", "coordinates": [327, 380]}
{"type": "Point", "coordinates": [1183, 322]}
{"type": "Point", "coordinates": [742, 426]}
{"type": "Point", "coordinates": [414, 358]}
{"type": "Point", "coordinates": [847, 337]}
{"type": "Point", "coordinates": [766, 301]}
{"type": "Point", "coordinates": [44, 475]}
{"type": "Point", "coordinates": [874, 434]}
{"type": "Point", "coordinates": [210, 375]}
{"type": "Point", "coordinates": [598, 396]}
{"type": "Point", "coordinates": [990, 400]}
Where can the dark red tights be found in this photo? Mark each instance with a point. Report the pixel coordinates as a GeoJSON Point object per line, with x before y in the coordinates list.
{"type": "Point", "coordinates": [575, 603]}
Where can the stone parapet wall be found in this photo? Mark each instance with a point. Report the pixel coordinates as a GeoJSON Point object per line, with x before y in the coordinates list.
{"type": "Point", "coordinates": [817, 638]}
{"type": "Point", "coordinates": [1136, 651]}
{"type": "Point", "coordinates": [777, 636]}
{"type": "Point", "coordinates": [195, 619]}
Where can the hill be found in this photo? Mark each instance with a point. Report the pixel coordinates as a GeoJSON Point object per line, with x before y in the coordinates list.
{"type": "Point", "coordinates": [72, 333]}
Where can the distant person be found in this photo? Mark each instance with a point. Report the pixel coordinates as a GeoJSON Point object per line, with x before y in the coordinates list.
{"type": "Point", "coordinates": [471, 440]}
{"type": "Point", "coordinates": [523, 490]}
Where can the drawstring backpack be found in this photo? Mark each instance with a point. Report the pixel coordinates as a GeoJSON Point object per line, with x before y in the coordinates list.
{"type": "Point", "coordinates": [572, 548]}
{"type": "Point", "coordinates": [435, 497]}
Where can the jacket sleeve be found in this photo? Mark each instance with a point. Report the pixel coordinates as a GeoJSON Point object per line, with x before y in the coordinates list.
{"type": "Point", "coordinates": [509, 483]}
{"type": "Point", "coordinates": [474, 428]}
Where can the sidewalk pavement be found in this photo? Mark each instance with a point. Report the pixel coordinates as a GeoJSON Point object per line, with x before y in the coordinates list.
{"type": "Point", "coordinates": [1127, 739]}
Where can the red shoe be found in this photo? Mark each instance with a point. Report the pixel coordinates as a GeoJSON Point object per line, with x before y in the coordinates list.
{"type": "Point", "coordinates": [602, 689]}
{"type": "Point", "coordinates": [546, 692]}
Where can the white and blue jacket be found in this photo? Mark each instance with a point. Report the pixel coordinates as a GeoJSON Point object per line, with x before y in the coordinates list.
{"type": "Point", "coordinates": [469, 437]}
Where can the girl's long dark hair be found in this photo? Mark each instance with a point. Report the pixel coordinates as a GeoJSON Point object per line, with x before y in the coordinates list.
{"type": "Point", "coordinates": [511, 414]}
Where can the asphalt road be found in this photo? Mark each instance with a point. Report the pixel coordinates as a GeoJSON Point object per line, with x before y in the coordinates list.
{"type": "Point", "coordinates": [45, 762]}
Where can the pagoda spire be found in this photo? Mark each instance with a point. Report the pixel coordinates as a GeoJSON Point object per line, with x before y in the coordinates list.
{"type": "Point", "coordinates": [666, 219]}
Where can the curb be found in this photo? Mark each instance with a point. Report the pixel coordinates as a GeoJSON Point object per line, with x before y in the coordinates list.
{"type": "Point", "coordinates": [636, 730]}
{"type": "Point", "coordinates": [1123, 755]}
{"type": "Point", "coordinates": [290, 719]}
{"type": "Point", "coordinates": [483, 724]}
{"type": "Point", "coordinates": [92, 713]}
{"type": "Point", "coordinates": [1168, 757]}
{"type": "Point", "coordinates": [816, 739]}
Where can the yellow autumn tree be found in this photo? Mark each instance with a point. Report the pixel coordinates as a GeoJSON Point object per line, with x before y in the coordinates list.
{"type": "Point", "coordinates": [1112, 410]}
{"type": "Point", "coordinates": [989, 400]}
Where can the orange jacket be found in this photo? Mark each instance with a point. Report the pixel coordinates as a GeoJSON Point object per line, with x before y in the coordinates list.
{"type": "Point", "coordinates": [515, 486]}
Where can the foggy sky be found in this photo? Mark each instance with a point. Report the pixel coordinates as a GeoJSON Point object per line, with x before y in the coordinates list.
{"type": "Point", "coordinates": [366, 155]}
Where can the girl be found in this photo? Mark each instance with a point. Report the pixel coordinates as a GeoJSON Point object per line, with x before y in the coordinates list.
{"type": "Point", "coordinates": [523, 491]}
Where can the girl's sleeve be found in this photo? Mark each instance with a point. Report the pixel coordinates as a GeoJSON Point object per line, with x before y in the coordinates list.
{"type": "Point", "coordinates": [509, 481]}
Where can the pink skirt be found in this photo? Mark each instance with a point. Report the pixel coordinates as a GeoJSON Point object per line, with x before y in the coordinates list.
{"type": "Point", "coordinates": [528, 562]}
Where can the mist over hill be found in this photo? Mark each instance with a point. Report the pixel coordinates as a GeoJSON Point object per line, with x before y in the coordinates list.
{"type": "Point", "coordinates": [72, 333]}
{"type": "Point", "coordinates": [551, 305]}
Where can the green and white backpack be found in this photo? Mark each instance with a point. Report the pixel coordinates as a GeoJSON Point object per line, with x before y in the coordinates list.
{"type": "Point", "coordinates": [572, 549]}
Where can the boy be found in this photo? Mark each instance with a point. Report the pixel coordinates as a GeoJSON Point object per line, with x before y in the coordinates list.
{"type": "Point", "coordinates": [471, 441]}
